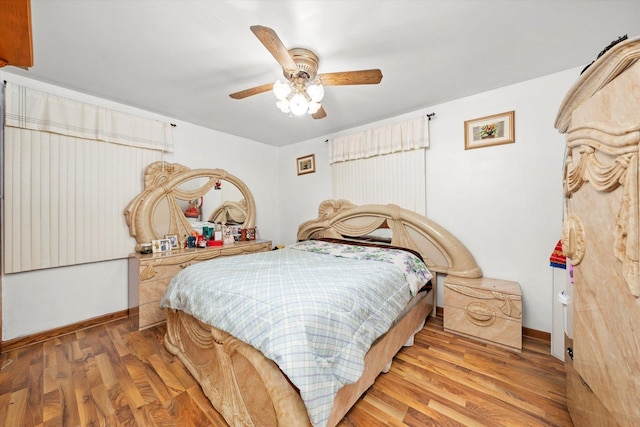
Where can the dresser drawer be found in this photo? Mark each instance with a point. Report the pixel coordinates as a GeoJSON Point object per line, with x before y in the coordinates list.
{"type": "Point", "coordinates": [489, 310]}
{"type": "Point", "coordinates": [489, 328]}
{"type": "Point", "coordinates": [151, 314]}
{"type": "Point", "coordinates": [152, 290]}
{"type": "Point", "coordinates": [155, 271]}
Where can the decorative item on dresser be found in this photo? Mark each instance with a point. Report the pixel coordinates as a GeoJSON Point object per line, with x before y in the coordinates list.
{"type": "Point", "coordinates": [489, 310]}
{"type": "Point", "coordinates": [601, 118]}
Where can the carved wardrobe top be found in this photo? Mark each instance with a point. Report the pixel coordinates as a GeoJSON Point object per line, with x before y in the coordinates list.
{"type": "Point", "coordinates": [607, 150]}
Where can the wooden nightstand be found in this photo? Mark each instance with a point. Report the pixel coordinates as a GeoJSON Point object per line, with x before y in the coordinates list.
{"type": "Point", "coordinates": [489, 310]}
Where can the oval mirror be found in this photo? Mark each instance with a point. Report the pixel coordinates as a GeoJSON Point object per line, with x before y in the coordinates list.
{"type": "Point", "coordinates": [177, 200]}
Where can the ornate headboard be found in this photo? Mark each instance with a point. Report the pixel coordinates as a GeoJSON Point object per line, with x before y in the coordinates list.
{"type": "Point", "coordinates": [441, 250]}
{"type": "Point", "coordinates": [166, 185]}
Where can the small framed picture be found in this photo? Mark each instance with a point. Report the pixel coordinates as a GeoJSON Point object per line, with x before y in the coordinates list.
{"type": "Point", "coordinates": [160, 245]}
{"type": "Point", "coordinates": [490, 130]}
{"type": "Point", "coordinates": [173, 239]}
{"type": "Point", "coordinates": [306, 164]}
{"type": "Point", "coordinates": [251, 233]}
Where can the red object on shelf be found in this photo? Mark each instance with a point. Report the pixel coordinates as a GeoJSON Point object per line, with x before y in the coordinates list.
{"type": "Point", "coordinates": [214, 242]}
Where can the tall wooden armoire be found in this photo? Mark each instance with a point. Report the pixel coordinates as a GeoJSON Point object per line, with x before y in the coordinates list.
{"type": "Point", "coordinates": [601, 118]}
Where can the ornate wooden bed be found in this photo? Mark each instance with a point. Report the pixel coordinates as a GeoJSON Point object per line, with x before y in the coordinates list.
{"type": "Point", "coordinates": [249, 389]}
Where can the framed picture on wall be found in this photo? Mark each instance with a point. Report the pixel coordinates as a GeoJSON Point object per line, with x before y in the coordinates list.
{"type": "Point", "coordinates": [306, 164]}
{"type": "Point", "coordinates": [490, 130]}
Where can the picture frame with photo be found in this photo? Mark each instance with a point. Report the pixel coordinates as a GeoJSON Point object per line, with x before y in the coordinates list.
{"type": "Point", "coordinates": [173, 238]}
{"type": "Point", "coordinates": [160, 245]}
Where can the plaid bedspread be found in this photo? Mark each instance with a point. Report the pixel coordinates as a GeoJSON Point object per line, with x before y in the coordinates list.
{"type": "Point", "coordinates": [303, 308]}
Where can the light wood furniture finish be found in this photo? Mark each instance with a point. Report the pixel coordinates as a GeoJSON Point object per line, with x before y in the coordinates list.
{"type": "Point", "coordinates": [586, 408]}
{"type": "Point", "coordinates": [601, 118]}
{"type": "Point", "coordinates": [249, 389]}
{"type": "Point", "coordinates": [108, 375]}
{"type": "Point", "coordinates": [170, 183]}
{"type": "Point", "coordinates": [16, 38]}
{"type": "Point", "coordinates": [489, 310]}
{"type": "Point", "coordinates": [150, 275]}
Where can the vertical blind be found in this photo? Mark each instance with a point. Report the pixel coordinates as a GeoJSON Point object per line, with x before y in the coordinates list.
{"type": "Point", "coordinates": [382, 165]}
{"type": "Point", "coordinates": [70, 169]}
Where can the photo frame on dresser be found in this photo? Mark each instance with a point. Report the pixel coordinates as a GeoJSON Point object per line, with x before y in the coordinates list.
{"type": "Point", "coordinates": [173, 239]}
{"type": "Point", "coordinates": [491, 130]}
{"type": "Point", "coordinates": [160, 245]}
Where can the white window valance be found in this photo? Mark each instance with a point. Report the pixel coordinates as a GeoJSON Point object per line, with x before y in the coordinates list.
{"type": "Point", "coordinates": [404, 136]}
{"type": "Point", "coordinates": [28, 108]}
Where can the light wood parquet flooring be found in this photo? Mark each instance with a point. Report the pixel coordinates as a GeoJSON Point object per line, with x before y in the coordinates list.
{"type": "Point", "coordinates": [109, 376]}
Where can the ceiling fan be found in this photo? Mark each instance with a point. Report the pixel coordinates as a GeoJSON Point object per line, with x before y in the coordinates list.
{"type": "Point", "coordinates": [304, 88]}
{"type": "Point", "coordinates": [16, 45]}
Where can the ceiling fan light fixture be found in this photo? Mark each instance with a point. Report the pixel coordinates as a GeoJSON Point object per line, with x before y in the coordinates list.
{"type": "Point", "coordinates": [316, 92]}
{"type": "Point", "coordinates": [281, 90]}
{"type": "Point", "coordinates": [298, 104]}
{"type": "Point", "coordinates": [283, 106]}
{"type": "Point", "coordinates": [298, 97]}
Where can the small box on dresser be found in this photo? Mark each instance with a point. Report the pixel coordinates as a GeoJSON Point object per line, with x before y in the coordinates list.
{"type": "Point", "coordinates": [489, 310]}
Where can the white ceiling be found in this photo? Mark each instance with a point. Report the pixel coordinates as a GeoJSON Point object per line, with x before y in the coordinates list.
{"type": "Point", "coordinates": [182, 58]}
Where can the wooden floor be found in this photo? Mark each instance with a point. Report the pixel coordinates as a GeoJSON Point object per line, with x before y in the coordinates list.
{"type": "Point", "coordinates": [108, 376]}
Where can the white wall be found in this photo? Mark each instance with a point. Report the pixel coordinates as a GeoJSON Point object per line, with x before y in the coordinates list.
{"type": "Point", "coordinates": [42, 300]}
{"type": "Point", "coordinates": [504, 202]}
{"type": "Point", "coordinates": [300, 195]}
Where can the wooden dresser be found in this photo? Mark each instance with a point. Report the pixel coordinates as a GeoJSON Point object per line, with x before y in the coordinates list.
{"type": "Point", "coordinates": [489, 310]}
{"type": "Point", "coordinates": [601, 235]}
{"type": "Point", "coordinates": [150, 275]}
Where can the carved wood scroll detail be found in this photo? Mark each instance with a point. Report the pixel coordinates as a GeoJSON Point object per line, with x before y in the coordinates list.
{"type": "Point", "coordinates": [622, 145]}
{"type": "Point", "coordinates": [163, 181]}
{"type": "Point", "coordinates": [221, 364]}
{"type": "Point", "coordinates": [573, 239]}
{"type": "Point", "coordinates": [341, 218]}
{"type": "Point", "coordinates": [508, 307]}
{"type": "Point", "coordinates": [480, 314]}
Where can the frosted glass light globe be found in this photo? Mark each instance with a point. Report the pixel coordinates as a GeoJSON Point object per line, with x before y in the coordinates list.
{"type": "Point", "coordinates": [283, 106]}
{"type": "Point", "coordinates": [298, 104]}
{"type": "Point", "coordinates": [281, 90]}
{"type": "Point", "coordinates": [316, 92]}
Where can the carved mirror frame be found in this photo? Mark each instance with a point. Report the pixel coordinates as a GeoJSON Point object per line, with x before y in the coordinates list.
{"type": "Point", "coordinates": [162, 181]}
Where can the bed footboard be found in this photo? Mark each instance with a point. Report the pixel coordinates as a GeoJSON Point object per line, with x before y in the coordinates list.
{"type": "Point", "coordinates": [244, 386]}
{"type": "Point", "coordinates": [250, 390]}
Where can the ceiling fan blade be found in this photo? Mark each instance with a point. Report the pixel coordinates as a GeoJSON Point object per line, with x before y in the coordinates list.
{"type": "Point", "coordinates": [361, 77]}
{"type": "Point", "coordinates": [252, 91]}
{"type": "Point", "coordinates": [320, 114]}
{"type": "Point", "coordinates": [272, 42]}
{"type": "Point", "coordinates": [16, 43]}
